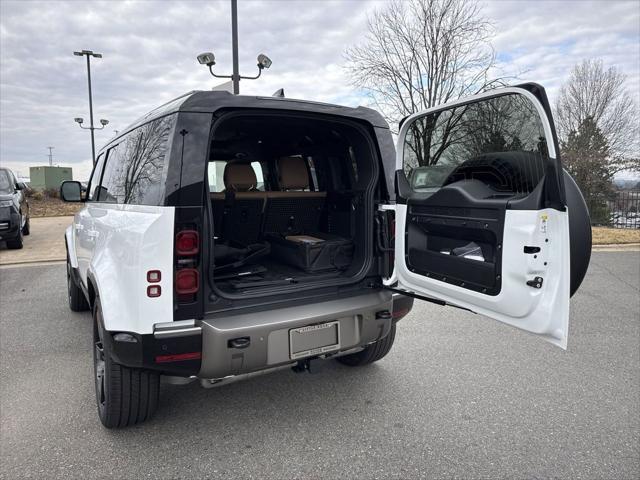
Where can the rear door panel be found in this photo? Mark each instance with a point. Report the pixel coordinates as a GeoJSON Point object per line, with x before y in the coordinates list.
{"type": "Point", "coordinates": [481, 222]}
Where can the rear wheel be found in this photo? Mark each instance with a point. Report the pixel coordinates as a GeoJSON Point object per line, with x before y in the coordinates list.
{"type": "Point", "coordinates": [371, 353]}
{"type": "Point", "coordinates": [125, 396]}
{"type": "Point", "coordinates": [16, 243]}
{"type": "Point", "coordinates": [26, 230]}
{"type": "Point", "coordinates": [77, 300]}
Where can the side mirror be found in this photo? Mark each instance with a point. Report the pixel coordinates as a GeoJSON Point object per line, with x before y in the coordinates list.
{"type": "Point", "coordinates": [71, 191]}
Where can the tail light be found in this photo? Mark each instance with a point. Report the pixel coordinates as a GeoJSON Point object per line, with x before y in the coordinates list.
{"type": "Point", "coordinates": [187, 281]}
{"type": "Point", "coordinates": [187, 243]}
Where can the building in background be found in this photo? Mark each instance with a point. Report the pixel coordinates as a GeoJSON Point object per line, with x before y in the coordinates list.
{"type": "Point", "coordinates": [45, 178]}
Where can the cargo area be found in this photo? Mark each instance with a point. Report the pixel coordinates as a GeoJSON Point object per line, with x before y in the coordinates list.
{"type": "Point", "coordinates": [291, 201]}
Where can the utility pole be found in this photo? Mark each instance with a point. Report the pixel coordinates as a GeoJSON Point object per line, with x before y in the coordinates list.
{"type": "Point", "coordinates": [235, 77]}
{"type": "Point", "coordinates": [50, 156]}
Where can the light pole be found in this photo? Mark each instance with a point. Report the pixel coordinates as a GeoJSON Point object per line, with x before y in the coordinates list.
{"type": "Point", "coordinates": [209, 58]}
{"type": "Point", "coordinates": [89, 54]}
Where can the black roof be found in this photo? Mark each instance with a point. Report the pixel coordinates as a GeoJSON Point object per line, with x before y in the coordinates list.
{"type": "Point", "coordinates": [211, 101]}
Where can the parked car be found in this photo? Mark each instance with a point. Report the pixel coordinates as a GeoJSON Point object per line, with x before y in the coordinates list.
{"type": "Point", "coordinates": [14, 209]}
{"type": "Point", "coordinates": [225, 236]}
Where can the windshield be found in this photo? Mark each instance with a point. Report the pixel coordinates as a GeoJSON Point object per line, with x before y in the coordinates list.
{"type": "Point", "coordinates": [5, 182]}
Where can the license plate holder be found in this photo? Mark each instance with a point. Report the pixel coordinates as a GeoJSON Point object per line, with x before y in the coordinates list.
{"type": "Point", "coordinates": [314, 339]}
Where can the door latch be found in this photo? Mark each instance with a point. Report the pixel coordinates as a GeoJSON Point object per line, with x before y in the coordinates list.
{"type": "Point", "coordinates": [536, 282]}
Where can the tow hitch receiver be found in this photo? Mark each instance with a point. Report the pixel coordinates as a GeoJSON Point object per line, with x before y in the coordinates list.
{"type": "Point", "coordinates": [304, 366]}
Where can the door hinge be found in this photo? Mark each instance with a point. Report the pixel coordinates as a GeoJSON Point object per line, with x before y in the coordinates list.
{"type": "Point", "coordinates": [437, 301]}
{"type": "Point", "coordinates": [536, 282]}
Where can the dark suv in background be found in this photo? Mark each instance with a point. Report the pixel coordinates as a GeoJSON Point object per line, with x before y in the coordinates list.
{"type": "Point", "coordinates": [14, 209]}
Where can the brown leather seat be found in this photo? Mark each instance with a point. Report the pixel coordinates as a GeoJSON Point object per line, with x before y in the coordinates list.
{"type": "Point", "coordinates": [294, 208]}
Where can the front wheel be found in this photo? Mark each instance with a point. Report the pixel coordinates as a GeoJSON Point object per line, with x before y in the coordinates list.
{"type": "Point", "coordinates": [125, 396]}
{"type": "Point", "coordinates": [371, 353]}
{"type": "Point", "coordinates": [16, 243]}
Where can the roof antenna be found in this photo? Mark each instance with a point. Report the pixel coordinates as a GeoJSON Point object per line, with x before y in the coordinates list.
{"type": "Point", "coordinates": [278, 93]}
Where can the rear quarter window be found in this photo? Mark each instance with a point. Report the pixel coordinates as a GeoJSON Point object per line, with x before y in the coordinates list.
{"type": "Point", "coordinates": [136, 168]}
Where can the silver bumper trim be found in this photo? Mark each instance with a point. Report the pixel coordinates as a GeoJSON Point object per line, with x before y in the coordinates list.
{"type": "Point", "coordinates": [180, 328]}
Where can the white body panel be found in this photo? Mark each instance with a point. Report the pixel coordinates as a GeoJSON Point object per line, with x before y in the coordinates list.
{"type": "Point", "coordinates": [116, 245]}
{"type": "Point", "coordinates": [543, 311]}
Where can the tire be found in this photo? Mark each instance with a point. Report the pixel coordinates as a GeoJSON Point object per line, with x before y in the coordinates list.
{"type": "Point", "coordinates": [16, 243]}
{"type": "Point", "coordinates": [371, 353]}
{"type": "Point", "coordinates": [77, 300]}
{"type": "Point", "coordinates": [26, 230]}
{"type": "Point", "coordinates": [124, 396]}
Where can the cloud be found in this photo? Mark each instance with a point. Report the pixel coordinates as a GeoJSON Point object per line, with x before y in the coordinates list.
{"type": "Point", "coordinates": [149, 51]}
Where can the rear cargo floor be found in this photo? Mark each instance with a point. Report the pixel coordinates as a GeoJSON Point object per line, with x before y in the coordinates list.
{"type": "Point", "coordinates": [267, 273]}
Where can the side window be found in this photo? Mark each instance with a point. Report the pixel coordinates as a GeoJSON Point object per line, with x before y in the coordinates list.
{"type": "Point", "coordinates": [315, 186]}
{"type": "Point", "coordinates": [136, 168]}
{"type": "Point", "coordinates": [257, 168]}
{"type": "Point", "coordinates": [500, 142]}
{"type": "Point", "coordinates": [94, 181]}
{"type": "Point", "coordinates": [216, 175]}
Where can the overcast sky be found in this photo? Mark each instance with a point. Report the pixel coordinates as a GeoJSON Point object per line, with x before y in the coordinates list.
{"type": "Point", "coordinates": [149, 51]}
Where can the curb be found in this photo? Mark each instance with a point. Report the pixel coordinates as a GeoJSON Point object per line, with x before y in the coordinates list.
{"type": "Point", "coordinates": [32, 263]}
{"type": "Point", "coordinates": [616, 247]}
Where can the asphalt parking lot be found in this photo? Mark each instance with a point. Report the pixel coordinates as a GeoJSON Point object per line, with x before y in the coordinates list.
{"type": "Point", "coordinates": [459, 396]}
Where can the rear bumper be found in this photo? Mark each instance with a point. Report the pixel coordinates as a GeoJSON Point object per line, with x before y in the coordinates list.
{"type": "Point", "coordinates": [402, 305]}
{"type": "Point", "coordinates": [266, 335]}
{"type": "Point", "coordinates": [219, 347]}
{"type": "Point", "coordinates": [9, 226]}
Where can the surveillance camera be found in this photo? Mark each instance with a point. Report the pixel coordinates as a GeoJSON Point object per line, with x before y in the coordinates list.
{"type": "Point", "coordinates": [104, 122]}
{"type": "Point", "coordinates": [207, 59]}
{"type": "Point", "coordinates": [78, 120]}
{"type": "Point", "coordinates": [264, 61]}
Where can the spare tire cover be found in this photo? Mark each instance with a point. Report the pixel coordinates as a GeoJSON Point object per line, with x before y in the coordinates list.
{"type": "Point", "coordinates": [579, 232]}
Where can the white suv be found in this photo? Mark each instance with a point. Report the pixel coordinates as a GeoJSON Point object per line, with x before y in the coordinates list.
{"type": "Point", "coordinates": [228, 235]}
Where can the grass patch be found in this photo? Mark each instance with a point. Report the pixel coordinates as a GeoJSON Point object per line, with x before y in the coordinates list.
{"type": "Point", "coordinates": [608, 236]}
{"type": "Point", "coordinates": [52, 207]}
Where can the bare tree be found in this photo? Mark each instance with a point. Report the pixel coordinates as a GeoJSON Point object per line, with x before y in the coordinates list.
{"type": "Point", "coordinates": [599, 94]}
{"type": "Point", "coordinates": [142, 154]}
{"type": "Point", "coordinates": [421, 53]}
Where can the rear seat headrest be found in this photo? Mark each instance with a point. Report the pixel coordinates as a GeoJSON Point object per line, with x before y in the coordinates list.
{"type": "Point", "coordinates": [293, 173]}
{"type": "Point", "coordinates": [239, 177]}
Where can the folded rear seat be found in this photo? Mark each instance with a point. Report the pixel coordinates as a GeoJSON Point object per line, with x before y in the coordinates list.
{"type": "Point", "coordinates": [237, 217]}
{"type": "Point", "coordinates": [292, 223]}
{"type": "Point", "coordinates": [294, 209]}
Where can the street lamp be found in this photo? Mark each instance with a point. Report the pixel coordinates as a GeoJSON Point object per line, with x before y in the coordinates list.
{"type": "Point", "coordinates": [209, 58]}
{"type": "Point", "coordinates": [78, 120]}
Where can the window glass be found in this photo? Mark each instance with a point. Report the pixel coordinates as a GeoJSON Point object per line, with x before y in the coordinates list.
{"type": "Point", "coordinates": [216, 175]}
{"type": "Point", "coordinates": [136, 168]}
{"type": "Point", "coordinates": [314, 175]}
{"type": "Point", "coordinates": [94, 181]}
{"type": "Point", "coordinates": [6, 183]}
{"type": "Point", "coordinates": [499, 141]}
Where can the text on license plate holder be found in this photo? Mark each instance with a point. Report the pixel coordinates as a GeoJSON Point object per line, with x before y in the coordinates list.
{"type": "Point", "coordinates": [314, 339]}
